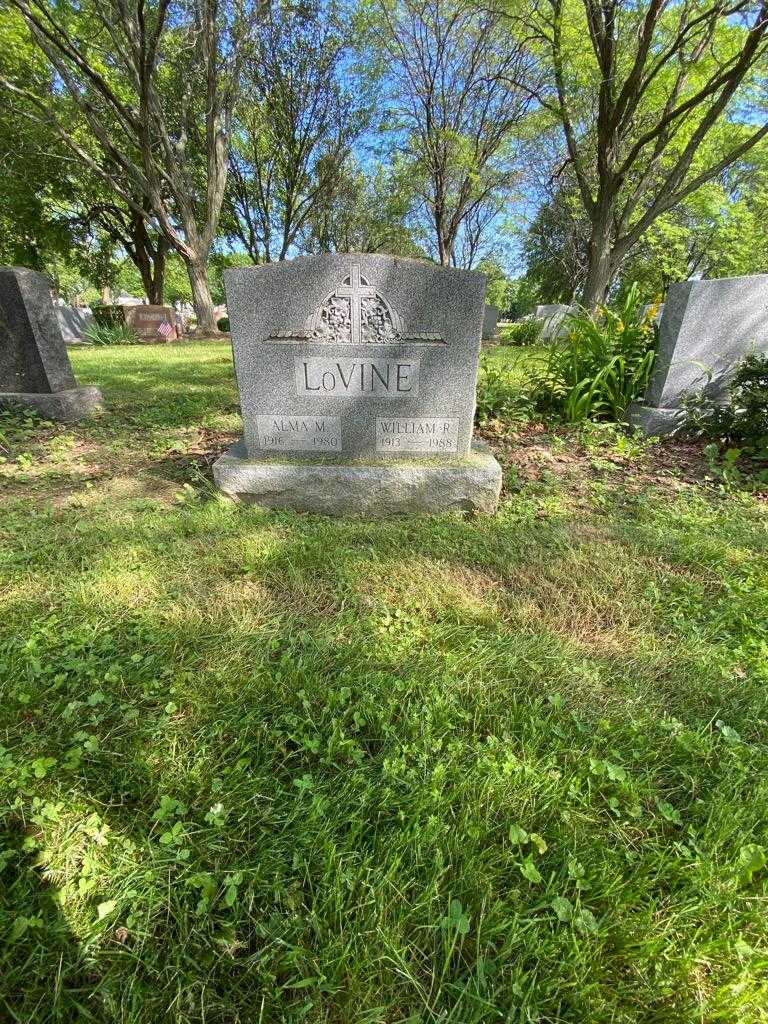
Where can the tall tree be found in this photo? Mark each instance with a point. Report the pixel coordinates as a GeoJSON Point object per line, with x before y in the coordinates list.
{"type": "Point", "coordinates": [365, 213]}
{"type": "Point", "coordinates": [638, 87]}
{"type": "Point", "coordinates": [155, 82]}
{"type": "Point", "coordinates": [460, 84]}
{"type": "Point", "coordinates": [33, 168]}
{"type": "Point", "coordinates": [146, 247]}
{"type": "Point", "coordinates": [294, 128]}
{"type": "Point", "coordinates": [556, 242]}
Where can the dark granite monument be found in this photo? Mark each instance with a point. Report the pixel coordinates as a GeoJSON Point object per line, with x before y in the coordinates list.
{"type": "Point", "coordinates": [35, 372]}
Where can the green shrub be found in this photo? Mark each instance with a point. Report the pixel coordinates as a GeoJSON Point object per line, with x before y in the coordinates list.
{"type": "Point", "coordinates": [743, 420]}
{"type": "Point", "coordinates": [601, 365]}
{"type": "Point", "coordinates": [223, 323]}
{"type": "Point", "coordinates": [499, 397]}
{"type": "Point", "coordinates": [523, 332]}
{"type": "Point", "coordinates": [111, 334]}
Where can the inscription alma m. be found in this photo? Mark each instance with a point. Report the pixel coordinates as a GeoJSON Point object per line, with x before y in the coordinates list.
{"type": "Point", "coordinates": [299, 433]}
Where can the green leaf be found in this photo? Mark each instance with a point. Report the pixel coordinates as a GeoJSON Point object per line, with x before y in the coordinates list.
{"type": "Point", "coordinates": [529, 870]}
{"type": "Point", "coordinates": [18, 928]}
{"type": "Point", "coordinates": [728, 733]}
{"type": "Point", "coordinates": [539, 842]}
{"type": "Point", "coordinates": [576, 869]}
{"type": "Point", "coordinates": [517, 835]}
{"type": "Point", "coordinates": [585, 921]}
{"type": "Point", "coordinates": [456, 918]}
{"type": "Point", "coordinates": [752, 858]}
{"type": "Point", "coordinates": [106, 908]}
{"type": "Point", "coordinates": [666, 810]}
{"type": "Point", "coordinates": [563, 908]}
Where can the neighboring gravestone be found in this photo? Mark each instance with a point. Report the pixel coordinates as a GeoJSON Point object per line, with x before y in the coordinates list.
{"type": "Point", "coordinates": [490, 320]}
{"type": "Point", "coordinates": [73, 321]}
{"type": "Point", "coordinates": [554, 316]}
{"type": "Point", "coordinates": [707, 328]}
{"type": "Point", "coordinates": [357, 382]}
{"type": "Point", "coordinates": [151, 323]}
{"type": "Point", "coordinates": [35, 372]}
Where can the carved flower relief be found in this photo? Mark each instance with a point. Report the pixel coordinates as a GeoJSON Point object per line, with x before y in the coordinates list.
{"type": "Point", "coordinates": [356, 318]}
{"type": "Point", "coordinates": [376, 325]}
{"type": "Point", "coordinates": [335, 321]}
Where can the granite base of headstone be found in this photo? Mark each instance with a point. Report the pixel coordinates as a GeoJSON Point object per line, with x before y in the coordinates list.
{"type": "Point", "coordinates": [35, 372]}
{"type": "Point", "coordinates": [357, 379]}
{"type": "Point", "coordinates": [706, 329]}
{"type": "Point", "coordinates": [490, 319]}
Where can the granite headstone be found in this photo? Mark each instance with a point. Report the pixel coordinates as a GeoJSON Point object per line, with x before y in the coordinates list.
{"type": "Point", "coordinates": [74, 321]}
{"type": "Point", "coordinates": [35, 372]}
{"type": "Point", "coordinates": [554, 315]}
{"type": "Point", "coordinates": [490, 320]}
{"type": "Point", "coordinates": [357, 378]}
{"type": "Point", "coordinates": [706, 329]}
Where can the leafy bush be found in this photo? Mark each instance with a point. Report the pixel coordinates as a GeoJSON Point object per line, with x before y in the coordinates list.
{"type": "Point", "coordinates": [499, 397]}
{"type": "Point", "coordinates": [743, 420]}
{"type": "Point", "coordinates": [523, 332]}
{"type": "Point", "coordinates": [223, 323]}
{"type": "Point", "coordinates": [111, 334]}
{"type": "Point", "coordinates": [601, 365]}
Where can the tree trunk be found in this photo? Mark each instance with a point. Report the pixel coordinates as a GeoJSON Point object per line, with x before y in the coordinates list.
{"type": "Point", "coordinates": [600, 264]}
{"type": "Point", "coordinates": [158, 277]}
{"type": "Point", "coordinates": [149, 258]}
{"type": "Point", "coordinates": [201, 295]}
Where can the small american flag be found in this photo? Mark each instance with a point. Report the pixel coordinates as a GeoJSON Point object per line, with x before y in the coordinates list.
{"type": "Point", "coordinates": [165, 330]}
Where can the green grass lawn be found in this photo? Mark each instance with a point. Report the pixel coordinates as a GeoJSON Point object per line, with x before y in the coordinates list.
{"type": "Point", "coordinates": [268, 767]}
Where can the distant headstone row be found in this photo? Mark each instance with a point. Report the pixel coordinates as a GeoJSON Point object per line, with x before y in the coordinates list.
{"type": "Point", "coordinates": [35, 371]}
{"type": "Point", "coordinates": [357, 379]}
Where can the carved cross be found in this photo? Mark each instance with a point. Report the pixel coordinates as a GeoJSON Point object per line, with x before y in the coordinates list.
{"type": "Point", "coordinates": [356, 291]}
